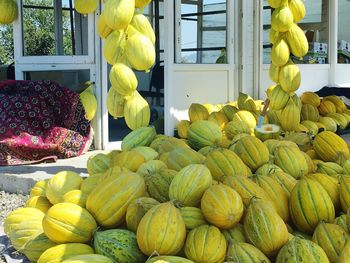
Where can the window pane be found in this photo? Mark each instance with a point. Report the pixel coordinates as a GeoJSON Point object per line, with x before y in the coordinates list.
{"type": "Point", "coordinates": [53, 28]}
{"type": "Point", "coordinates": [315, 25]}
{"type": "Point", "coordinates": [72, 79]}
{"type": "Point", "coordinates": [203, 32]}
{"type": "Point", "coordinates": [344, 32]}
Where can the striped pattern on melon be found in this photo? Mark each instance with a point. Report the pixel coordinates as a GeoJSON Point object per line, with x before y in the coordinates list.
{"type": "Point", "coordinates": [223, 162]}
{"type": "Point", "coordinates": [204, 133]}
{"type": "Point", "coordinates": [120, 245]}
{"type": "Point", "coordinates": [310, 204]}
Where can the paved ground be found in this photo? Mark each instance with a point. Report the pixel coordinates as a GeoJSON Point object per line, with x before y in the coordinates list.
{"type": "Point", "coordinates": [20, 179]}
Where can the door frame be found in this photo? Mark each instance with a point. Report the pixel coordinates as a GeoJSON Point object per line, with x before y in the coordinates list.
{"type": "Point", "coordinates": [232, 67]}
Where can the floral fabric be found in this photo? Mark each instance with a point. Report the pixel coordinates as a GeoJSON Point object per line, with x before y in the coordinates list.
{"type": "Point", "coordinates": [40, 121]}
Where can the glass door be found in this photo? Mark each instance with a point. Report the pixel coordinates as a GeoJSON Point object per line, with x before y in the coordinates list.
{"type": "Point", "coordinates": [200, 60]}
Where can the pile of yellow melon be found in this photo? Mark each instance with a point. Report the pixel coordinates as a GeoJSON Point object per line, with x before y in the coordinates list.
{"type": "Point", "coordinates": [158, 198]}
{"type": "Point", "coordinates": [222, 192]}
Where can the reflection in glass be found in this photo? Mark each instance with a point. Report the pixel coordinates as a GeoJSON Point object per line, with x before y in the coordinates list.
{"type": "Point", "coordinates": [203, 33]}
{"type": "Point", "coordinates": [343, 32]}
{"type": "Point", "coordinates": [53, 28]}
{"type": "Point", "coordinates": [315, 25]}
{"type": "Point", "coordinates": [72, 79]}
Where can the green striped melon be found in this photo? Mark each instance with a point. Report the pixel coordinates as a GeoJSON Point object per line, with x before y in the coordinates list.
{"type": "Point", "coordinates": [193, 217]}
{"type": "Point", "coordinates": [246, 188]}
{"type": "Point", "coordinates": [244, 252]}
{"type": "Point", "coordinates": [140, 137]}
{"type": "Point", "coordinates": [120, 245]}
{"type": "Point", "coordinates": [301, 250]}
{"type": "Point", "coordinates": [234, 234]}
{"type": "Point", "coordinates": [252, 151]}
{"type": "Point", "coordinates": [236, 127]}
{"type": "Point", "coordinates": [147, 152]}
{"type": "Point", "coordinates": [204, 133]}
{"type": "Point", "coordinates": [331, 238]}
{"type": "Point", "coordinates": [189, 184]}
{"type": "Point", "coordinates": [341, 221]}
{"type": "Point", "coordinates": [330, 184]}
{"type": "Point", "coordinates": [181, 157]}
{"type": "Point", "coordinates": [223, 162]}
{"type": "Point", "coordinates": [309, 204]}
{"type": "Point", "coordinates": [276, 193]}
{"type": "Point", "coordinates": [264, 228]}
{"type": "Point", "coordinates": [291, 160]}
{"type": "Point", "coordinates": [136, 210]}
{"type": "Point", "coordinates": [309, 112]}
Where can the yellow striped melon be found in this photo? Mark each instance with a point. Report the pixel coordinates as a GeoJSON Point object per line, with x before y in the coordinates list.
{"type": "Point", "coordinates": [310, 204]}
{"type": "Point", "coordinates": [156, 230]}
{"type": "Point", "coordinates": [264, 228]}
{"type": "Point", "coordinates": [189, 184]}
{"type": "Point", "coordinates": [137, 112]}
{"type": "Point", "coordinates": [222, 206]}
{"type": "Point", "coordinates": [199, 244]}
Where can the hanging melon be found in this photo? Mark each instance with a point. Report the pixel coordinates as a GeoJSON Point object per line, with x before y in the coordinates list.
{"type": "Point", "coordinates": [9, 11]}
{"type": "Point", "coordinates": [119, 13]}
{"type": "Point", "coordinates": [142, 3]}
{"type": "Point", "coordinates": [140, 52]}
{"type": "Point", "coordinates": [290, 78]}
{"type": "Point", "coordinates": [280, 53]}
{"type": "Point", "coordinates": [123, 79]}
{"type": "Point", "coordinates": [278, 98]}
{"type": "Point", "coordinates": [282, 18]}
{"type": "Point", "coordinates": [102, 29]}
{"type": "Point", "coordinates": [115, 103]}
{"type": "Point", "coordinates": [137, 112]}
{"type": "Point", "coordinates": [297, 41]}
{"type": "Point", "coordinates": [85, 6]}
{"type": "Point", "coordinates": [298, 9]}
{"type": "Point", "coordinates": [142, 25]}
{"type": "Point", "coordinates": [113, 49]}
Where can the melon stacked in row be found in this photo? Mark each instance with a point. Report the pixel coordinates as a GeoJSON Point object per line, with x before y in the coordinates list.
{"type": "Point", "coordinates": [128, 46]}
{"type": "Point", "coordinates": [255, 200]}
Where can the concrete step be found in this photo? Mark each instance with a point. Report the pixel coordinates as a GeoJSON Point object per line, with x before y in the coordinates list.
{"type": "Point", "coordinates": [20, 179]}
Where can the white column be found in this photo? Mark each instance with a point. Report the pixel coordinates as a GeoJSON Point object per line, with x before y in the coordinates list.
{"type": "Point", "coordinates": [333, 40]}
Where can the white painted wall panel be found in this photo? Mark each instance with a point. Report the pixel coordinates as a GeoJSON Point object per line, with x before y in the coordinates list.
{"type": "Point", "coordinates": [342, 75]}
{"type": "Point", "coordinates": [195, 87]}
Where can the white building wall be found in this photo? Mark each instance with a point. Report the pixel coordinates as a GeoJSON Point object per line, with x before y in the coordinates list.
{"type": "Point", "coordinates": [247, 83]}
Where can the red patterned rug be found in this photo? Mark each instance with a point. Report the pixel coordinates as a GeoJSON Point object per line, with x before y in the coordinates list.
{"type": "Point", "coordinates": [40, 121]}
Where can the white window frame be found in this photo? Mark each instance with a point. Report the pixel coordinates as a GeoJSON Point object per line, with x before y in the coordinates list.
{"type": "Point", "coordinates": [90, 62]}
